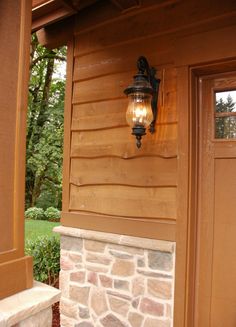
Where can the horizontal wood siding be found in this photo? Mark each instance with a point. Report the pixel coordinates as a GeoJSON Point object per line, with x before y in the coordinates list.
{"type": "Point", "coordinates": [109, 176]}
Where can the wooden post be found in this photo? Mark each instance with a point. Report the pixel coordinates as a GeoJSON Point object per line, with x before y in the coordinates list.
{"type": "Point", "coordinates": [15, 29]}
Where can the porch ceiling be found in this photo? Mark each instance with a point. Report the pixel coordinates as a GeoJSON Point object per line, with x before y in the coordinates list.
{"type": "Point", "coordinates": [46, 12]}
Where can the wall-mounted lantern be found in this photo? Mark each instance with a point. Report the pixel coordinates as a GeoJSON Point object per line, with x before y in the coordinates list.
{"type": "Point", "coordinates": [143, 97]}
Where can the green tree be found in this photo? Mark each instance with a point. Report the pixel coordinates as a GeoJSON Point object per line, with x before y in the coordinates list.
{"type": "Point", "coordinates": [225, 126]}
{"type": "Point", "coordinates": [44, 127]}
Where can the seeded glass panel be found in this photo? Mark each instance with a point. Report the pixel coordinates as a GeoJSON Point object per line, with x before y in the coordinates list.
{"type": "Point", "coordinates": [225, 115]}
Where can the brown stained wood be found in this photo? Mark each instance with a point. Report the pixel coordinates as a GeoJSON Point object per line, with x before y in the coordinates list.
{"type": "Point", "coordinates": [110, 114]}
{"type": "Point", "coordinates": [120, 142]}
{"type": "Point", "coordinates": [14, 56]}
{"type": "Point", "coordinates": [148, 228]}
{"type": "Point", "coordinates": [57, 34]}
{"type": "Point", "coordinates": [104, 11]}
{"type": "Point", "coordinates": [182, 308]}
{"type": "Point", "coordinates": [216, 223]}
{"type": "Point", "coordinates": [99, 115]}
{"type": "Point", "coordinates": [67, 126]}
{"type": "Point", "coordinates": [16, 276]}
{"type": "Point", "coordinates": [187, 48]}
{"type": "Point", "coordinates": [125, 201]}
{"type": "Point", "coordinates": [101, 88]}
{"type": "Point", "coordinates": [159, 52]}
{"type": "Point", "coordinates": [126, 4]}
{"type": "Point", "coordinates": [170, 19]}
{"type": "Point", "coordinates": [145, 172]}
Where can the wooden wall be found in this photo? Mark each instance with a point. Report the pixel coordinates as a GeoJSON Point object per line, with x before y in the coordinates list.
{"type": "Point", "coordinates": [110, 185]}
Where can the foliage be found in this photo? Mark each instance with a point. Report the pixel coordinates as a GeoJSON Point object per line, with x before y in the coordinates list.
{"type": "Point", "coordinates": [35, 213]}
{"type": "Point", "coordinates": [45, 127]}
{"type": "Point", "coordinates": [225, 126]}
{"type": "Point", "coordinates": [52, 214]}
{"type": "Point", "coordinates": [46, 254]}
{"type": "Point", "coordinates": [36, 228]}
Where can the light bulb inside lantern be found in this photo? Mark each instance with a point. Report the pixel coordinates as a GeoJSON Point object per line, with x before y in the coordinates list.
{"type": "Point", "coordinates": [139, 110]}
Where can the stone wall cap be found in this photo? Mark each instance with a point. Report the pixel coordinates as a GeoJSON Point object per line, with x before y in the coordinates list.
{"type": "Point", "coordinates": [22, 305]}
{"type": "Point", "coordinates": [131, 241]}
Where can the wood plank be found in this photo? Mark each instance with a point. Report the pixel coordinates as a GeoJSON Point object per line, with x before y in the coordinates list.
{"type": "Point", "coordinates": [99, 115]}
{"type": "Point", "coordinates": [67, 125]}
{"type": "Point", "coordinates": [120, 142]}
{"type": "Point", "coordinates": [184, 259]}
{"type": "Point", "coordinates": [170, 19]}
{"type": "Point", "coordinates": [158, 51]}
{"type": "Point", "coordinates": [136, 172]}
{"type": "Point", "coordinates": [191, 49]}
{"type": "Point", "coordinates": [125, 201]}
{"type": "Point", "coordinates": [104, 11]}
{"type": "Point", "coordinates": [16, 276]}
{"type": "Point", "coordinates": [101, 88]}
{"type": "Point", "coordinates": [110, 114]}
{"type": "Point", "coordinates": [156, 229]}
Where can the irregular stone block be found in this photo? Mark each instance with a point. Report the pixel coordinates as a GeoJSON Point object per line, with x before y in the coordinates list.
{"type": "Point", "coordinates": [98, 301]}
{"type": "Point", "coordinates": [84, 313]}
{"type": "Point", "coordinates": [68, 308]}
{"type": "Point", "coordinates": [112, 321]}
{"type": "Point", "coordinates": [135, 319]}
{"type": "Point", "coordinates": [66, 264]}
{"type": "Point", "coordinates": [92, 278]}
{"type": "Point", "coordinates": [153, 274]}
{"type": "Point", "coordinates": [94, 246]}
{"type": "Point", "coordinates": [105, 281]}
{"type": "Point", "coordinates": [71, 243]}
{"type": "Point", "coordinates": [138, 286]}
{"type": "Point", "coordinates": [160, 260]}
{"type": "Point", "coordinates": [118, 305]}
{"type": "Point", "coordinates": [120, 255]}
{"type": "Point", "coordinates": [121, 284]}
{"type": "Point", "coordinates": [160, 289]}
{"type": "Point", "coordinates": [75, 257]}
{"type": "Point", "coordinates": [97, 268]}
{"type": "Point", "coordinates": [100, 259]}
{"type": "Point", "coordinates": [79, 294]}
{"type": "Point", "coordinates": [151, 307]}
{"type": "Point", "coordinates": [64, 283]}
{"type": "Point", "coordinates": [149, 322]}
{"type": "Point", "coordinates": [78, 276]}
{"type": "Point", "coordinates": [84, 324]}
{"type": "Point", "coordinates": [123, 268]}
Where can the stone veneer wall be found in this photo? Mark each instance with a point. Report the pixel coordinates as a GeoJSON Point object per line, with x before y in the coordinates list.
{"type": "Point", "coordinates": [110, 280]}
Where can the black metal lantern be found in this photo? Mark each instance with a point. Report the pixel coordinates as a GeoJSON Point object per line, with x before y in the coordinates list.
{"type": "Point", "coordinates": [143, 96]}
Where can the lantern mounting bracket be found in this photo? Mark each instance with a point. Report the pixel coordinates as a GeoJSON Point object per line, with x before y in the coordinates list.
{"type": "Point", "coordinates": [145, 84]}
{"type": "Point", "coordinates": [143, 67]}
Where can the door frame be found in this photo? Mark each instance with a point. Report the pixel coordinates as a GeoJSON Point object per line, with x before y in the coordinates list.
{"type": "Point", "coordinates": [195, 73]}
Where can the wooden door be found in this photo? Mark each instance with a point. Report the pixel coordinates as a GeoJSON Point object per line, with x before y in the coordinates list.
{"type": "Point", "coordinates": [215, 288]}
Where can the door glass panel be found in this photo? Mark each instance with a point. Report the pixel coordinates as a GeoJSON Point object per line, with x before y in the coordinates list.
{"type": "Point", "coordinates": [225, 115]}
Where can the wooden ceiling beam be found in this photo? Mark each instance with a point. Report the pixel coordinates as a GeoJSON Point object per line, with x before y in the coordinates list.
{"type": "Point", "coordinates": [124, 5]}
{"type": "Point", "coordinates": [56, 35]}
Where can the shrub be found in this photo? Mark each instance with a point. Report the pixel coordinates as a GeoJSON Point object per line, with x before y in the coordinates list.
{"type": "Point", "coordinates": [52, 214]}
{"type": "Point", "coordinates": [35, 213]}
{"type": "Point", "coordinates": [46, 255]}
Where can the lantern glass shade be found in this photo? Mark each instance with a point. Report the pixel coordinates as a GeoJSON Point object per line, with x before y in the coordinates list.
{"type": "Point", "coordinates": [139, 112]}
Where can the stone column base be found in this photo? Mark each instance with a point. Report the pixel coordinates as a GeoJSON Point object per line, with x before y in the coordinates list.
{"type": "Point", "coordinates": [29, 308]}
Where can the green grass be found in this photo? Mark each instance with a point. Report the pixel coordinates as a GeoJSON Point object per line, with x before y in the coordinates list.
{"type": "Point", "coordinates": [35, 228]}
